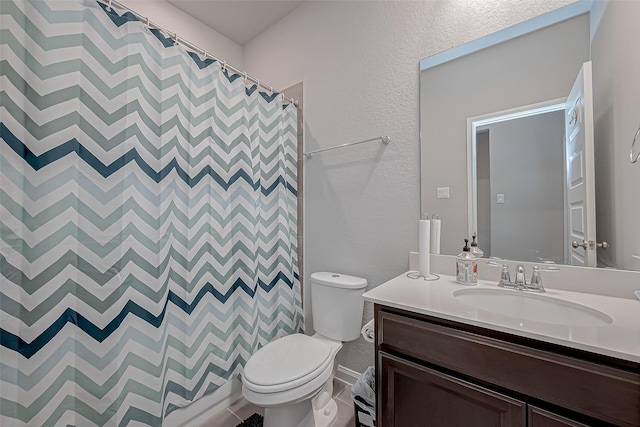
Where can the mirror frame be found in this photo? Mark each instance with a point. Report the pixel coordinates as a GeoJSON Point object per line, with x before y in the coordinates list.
{"type": "Point", "coordinates": [534, 24]}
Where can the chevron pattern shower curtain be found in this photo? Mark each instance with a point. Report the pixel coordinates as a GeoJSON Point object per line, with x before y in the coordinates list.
{"type": "Point", "coordinates": [147, 219]}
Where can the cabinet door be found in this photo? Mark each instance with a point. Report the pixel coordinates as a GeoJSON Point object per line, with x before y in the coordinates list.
{"type": "Point", "coordinates": [541, 418]}
{"type": "Point", "coordinates": [415, 396]}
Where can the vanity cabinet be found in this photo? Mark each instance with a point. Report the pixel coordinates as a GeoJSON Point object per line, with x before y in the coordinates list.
{"type": "Point", "coordinates": [540, 418]}
{"type": "Point", "coordinates": [420, 396]}
{"type": "Point", "coordinates": [434, 372]}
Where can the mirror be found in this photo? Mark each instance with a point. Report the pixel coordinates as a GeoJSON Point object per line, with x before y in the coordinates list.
{"type": "Point", "coordinates": [515, 199]}
{"type": "Point", "coordinates": [519, 69]}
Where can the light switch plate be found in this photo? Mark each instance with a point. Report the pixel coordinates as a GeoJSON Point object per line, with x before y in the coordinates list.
{"type": "Point", "coordinates": [500, 198]}
{"type": "Point", "coordinates": [443, 193]}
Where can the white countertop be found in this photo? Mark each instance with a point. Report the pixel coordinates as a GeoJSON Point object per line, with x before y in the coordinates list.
{"type": "Point", "coordinates": [620, 339]}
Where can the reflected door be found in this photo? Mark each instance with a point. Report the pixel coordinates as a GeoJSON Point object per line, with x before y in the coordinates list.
{"type": "Point", "coordinates": [581, 215]}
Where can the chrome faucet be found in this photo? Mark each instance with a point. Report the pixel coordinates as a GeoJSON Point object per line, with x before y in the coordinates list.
{"type": "Point", "coordinates": [520, 283]}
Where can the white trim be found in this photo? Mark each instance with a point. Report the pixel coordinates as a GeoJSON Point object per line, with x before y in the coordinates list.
{"type": "Point", "coordinates": [347, 375]}
{"type": "Point", "coordinates": [555, 16]}
{"type": "Point", "coordinates": [520, 112]}
{"type": "Point", "coordinates": [204, 410]}
{"type": "Point", "coordinates": [472, 127]}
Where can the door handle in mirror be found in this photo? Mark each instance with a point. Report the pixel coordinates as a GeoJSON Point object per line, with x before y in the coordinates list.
{"type": "Point", "coordinates": [576, 245]}
{"type": "Point", "coordinates": [573, 116]}
{"type": "Point", "coordinates": [592, 245]}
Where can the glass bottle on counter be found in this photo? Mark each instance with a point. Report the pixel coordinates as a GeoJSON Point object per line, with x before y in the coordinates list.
{"type": "Point", "coordinates": [466, 266]}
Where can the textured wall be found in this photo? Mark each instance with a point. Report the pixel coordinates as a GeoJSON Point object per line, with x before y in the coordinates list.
{"type": "Point", "coordinates": [359, 63]}
{"type": "Point", "coordinates": [189, 28]}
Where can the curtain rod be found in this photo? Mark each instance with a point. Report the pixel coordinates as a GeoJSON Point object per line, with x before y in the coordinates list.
{"type": "Point", "coordinates": [150, 24]}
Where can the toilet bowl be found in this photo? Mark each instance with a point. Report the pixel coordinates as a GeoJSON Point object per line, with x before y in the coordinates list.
{"type": "Point", "coordinates": [292, 377]}
{"type": "Point", "coordinates": [300, 367]}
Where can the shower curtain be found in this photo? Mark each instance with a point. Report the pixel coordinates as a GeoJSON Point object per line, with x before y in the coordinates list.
{"type": "Point", "coordinates": [147, 218]}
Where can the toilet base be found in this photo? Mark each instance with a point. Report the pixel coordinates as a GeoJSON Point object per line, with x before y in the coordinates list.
{"type": "Point", "coordinates": [301, 415]}
{"type": "Point", "coordinates": [296, 415]}
{"type": "Point", "coordinates": [326, 416]}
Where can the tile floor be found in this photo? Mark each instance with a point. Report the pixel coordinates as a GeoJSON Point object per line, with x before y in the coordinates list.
{"type": "Point", "coordinates": [242, 409]}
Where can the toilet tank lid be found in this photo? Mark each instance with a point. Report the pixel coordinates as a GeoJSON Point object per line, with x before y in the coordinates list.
{"type": "Point", "coordinates": [336, 280]}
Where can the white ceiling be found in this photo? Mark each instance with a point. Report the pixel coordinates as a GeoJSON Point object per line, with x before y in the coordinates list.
{"type": "Point", "coordinates": [239, 20]}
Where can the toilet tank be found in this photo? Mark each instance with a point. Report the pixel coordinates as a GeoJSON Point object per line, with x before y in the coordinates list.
{"type": "Point", "coordinates": [337, 304]}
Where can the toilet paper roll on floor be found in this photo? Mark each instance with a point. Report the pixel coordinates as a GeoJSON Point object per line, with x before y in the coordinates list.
{"type": "Point", "coordinates": [368, 331]}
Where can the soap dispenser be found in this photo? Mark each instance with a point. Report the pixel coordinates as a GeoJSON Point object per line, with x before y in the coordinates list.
{"type": "Point", "coordinates": [475, 250]}
{"type": "Point", "coordinates": [466, 266]}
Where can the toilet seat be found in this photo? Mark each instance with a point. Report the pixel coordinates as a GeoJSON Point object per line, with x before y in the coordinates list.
{"type": "Point", "coordinates": [287, 363]}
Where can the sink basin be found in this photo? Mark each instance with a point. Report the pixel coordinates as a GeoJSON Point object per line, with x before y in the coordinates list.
{"type": "Point", "coordinates": [532, 307]}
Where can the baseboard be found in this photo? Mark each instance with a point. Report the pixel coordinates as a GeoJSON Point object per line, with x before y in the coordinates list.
{"type": "Point", "coordinates": [347, 375]}
{"type": "Point", "coordinates": [203, 411]}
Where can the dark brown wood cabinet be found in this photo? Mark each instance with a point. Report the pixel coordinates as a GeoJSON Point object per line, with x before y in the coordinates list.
{"type": "Point", "coordinates": [416, 394]}
{"type": "Point", "coordinates": [434, 372]}
{"type": "Point", "coordinates": [540, 418]}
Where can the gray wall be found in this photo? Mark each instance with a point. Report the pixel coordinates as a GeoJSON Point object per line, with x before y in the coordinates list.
{"type": "Point", "coordinates": [616, 87]}
{"type": "Point", "coordinates": [483, 188]}
{"type": "Point", "coordinates": [359, 63]}
{"type": "Point", "coordinates": [537, 67]}
{"type": "Point", "coordinates": [527, 159]}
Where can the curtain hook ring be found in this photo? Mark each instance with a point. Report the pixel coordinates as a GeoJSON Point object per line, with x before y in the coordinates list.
{"type": "Point", "coordinates": [224, 65]}
{"type": "Point", "coordinates": [282, 95]}
{"type": "Point", "coordinates": [258, 84]}
{"type": "Point", "coordinates": [147, 25]}
{"type": "Point", "coordinates": [109, 6]}
{"type": "Point", "coordinates": [175, 39]}
{"type": "Point", "coordinates": [270, 90]}
{"type": "Point", "coordinates": [245, 75]}
{"type": "Point", "coordinates": [204, 53]}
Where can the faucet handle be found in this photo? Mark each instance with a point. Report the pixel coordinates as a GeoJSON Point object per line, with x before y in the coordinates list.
{"type": "Point", "coordinates": [536, 279]}
{"type": "Point", "coordinates": [505, 277]}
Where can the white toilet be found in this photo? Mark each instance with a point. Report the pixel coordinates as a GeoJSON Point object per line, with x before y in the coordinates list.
{"type": "Point", "coordinates": [292, 377]}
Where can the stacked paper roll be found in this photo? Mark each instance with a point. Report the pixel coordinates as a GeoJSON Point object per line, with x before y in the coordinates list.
{"type": "Point", "coordinates": [368, 331]}
{"type": "Point", "coordinates": [435, 236]}
{"type": "Point", "coordinates": [424, 241]}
